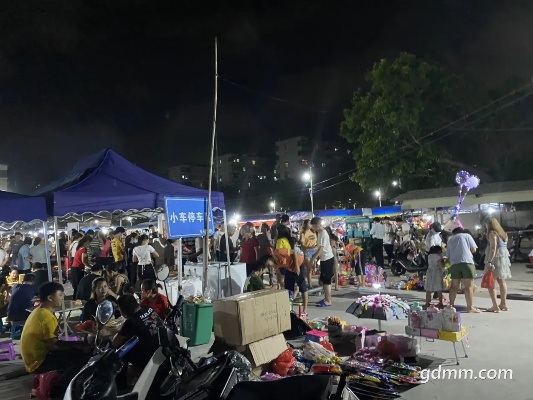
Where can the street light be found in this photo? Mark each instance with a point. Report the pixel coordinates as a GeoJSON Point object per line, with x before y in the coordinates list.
{"type": "Point", "coordinates": [308, 177]}
{"type": "Point", "coordinates": [394, 183]}
{"type": "Point", "coordinates": [378, 195]}
{"type": "Point", "coordinates": [273, 205]}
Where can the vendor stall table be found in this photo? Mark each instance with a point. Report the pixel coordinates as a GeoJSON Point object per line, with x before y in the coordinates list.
{"type": "Point", "coordinates": [452, 337]}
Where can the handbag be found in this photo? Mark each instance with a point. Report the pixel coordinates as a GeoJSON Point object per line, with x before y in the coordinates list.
{"type": "Point", "coordinates": [487, 282]}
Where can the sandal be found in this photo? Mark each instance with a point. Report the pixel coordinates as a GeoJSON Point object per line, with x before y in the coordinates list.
{"type": "Point", "coordinates": [493, 310]}
{"type": "Point", "coordinates": [322, 303]}
{"type": "Point", "coordinates": [503, 308]}
{"type": "Point", "coordinates": [474, 311]}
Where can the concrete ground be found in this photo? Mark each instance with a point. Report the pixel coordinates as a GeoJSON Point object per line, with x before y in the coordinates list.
{"type": "Point", "coordinates": [496, 341]}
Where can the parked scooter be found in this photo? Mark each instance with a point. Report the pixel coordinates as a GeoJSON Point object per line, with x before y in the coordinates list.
{"type": "Point", "coordinates": [97, 379]}
{"type": "Point", "coordinates": [408, 259]}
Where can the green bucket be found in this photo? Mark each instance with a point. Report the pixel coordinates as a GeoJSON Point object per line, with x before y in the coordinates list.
{"type": "Point", "coordinates": [197, 322]}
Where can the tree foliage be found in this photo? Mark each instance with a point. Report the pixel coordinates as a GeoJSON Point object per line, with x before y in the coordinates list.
{"type": "Point", "coordinates": [391, 121]}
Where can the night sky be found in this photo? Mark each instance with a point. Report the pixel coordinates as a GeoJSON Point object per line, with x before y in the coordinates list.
{"type": "Point", "coordinates": [77, 76]}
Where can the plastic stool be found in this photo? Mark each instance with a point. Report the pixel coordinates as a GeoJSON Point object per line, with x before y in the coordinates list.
{"type": "Point", "coordinates": [16, 329]}
{"type": "Point", "coordinates": [42, 384]}
{"type": "Point", "coordinates": [7, 351]}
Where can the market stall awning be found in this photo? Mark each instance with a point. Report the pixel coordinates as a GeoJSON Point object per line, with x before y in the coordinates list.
{"type": "Point", "coordinates": [386, 211]}
{"type": "Point", "coordinates": [350, 212]}
{"type": "Point", "coordinates": [500, 192]}
{"type": "Point", "coordinates": [16, 207]}
{"type": "Point", "coordinates": [106, 181]}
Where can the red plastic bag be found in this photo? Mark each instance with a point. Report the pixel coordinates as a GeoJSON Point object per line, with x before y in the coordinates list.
{"type": "Point", "coordinates": [283, 363]}
{"type": "Point", "coordinates": [487, 282]}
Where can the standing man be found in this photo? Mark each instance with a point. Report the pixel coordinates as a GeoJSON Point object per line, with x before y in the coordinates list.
{"type": "Point", "coordinates": [403, 229]}
{"type": "Point", "coordinates": [274, 229]}
{"type": "Point", "coordinates": [324, 253]}
{"type": "Point", "coordinates": [388, 241]}
{"type": "Point", "coordinates": [378, 235]}
{"type": "Point", "coordinates": [309, 242]}
{"type": "Point", "coordinates": [14, 248]}
{"type": "Point", "coordinates": [117, 246]}
{"type": "Point", "coordinates": [461, 247]}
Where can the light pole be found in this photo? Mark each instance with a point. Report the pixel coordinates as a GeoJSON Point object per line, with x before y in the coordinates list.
{"type": "Point", "coordinates": [308, 177]}
{"type": "Point", "coordinates": [273, 205]}
{"type": "Point", "coordinates": [378, 195]}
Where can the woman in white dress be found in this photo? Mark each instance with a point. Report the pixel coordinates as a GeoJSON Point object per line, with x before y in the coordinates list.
{"type": "Point", "coordinates": [498, 260]}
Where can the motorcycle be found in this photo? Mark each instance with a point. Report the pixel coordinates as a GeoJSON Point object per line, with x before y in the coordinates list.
{"type": "Point", "coordinates": [408, 258]}
{"type": "Point", "coordinates": [97, 379]}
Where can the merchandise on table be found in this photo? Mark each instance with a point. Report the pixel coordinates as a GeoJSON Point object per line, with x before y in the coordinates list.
{"type": "Point", "coordinates": [316, 336]}
{"type": "Point", "coordinates": [381, 307]}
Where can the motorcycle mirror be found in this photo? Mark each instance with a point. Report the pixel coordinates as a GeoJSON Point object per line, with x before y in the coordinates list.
{"type": "Point", "coordinates": [104, 312]}
{"type": "Point", "coordinates": [163, 272]}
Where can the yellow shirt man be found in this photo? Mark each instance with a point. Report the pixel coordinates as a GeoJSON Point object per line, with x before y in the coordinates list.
{"type": "Point", "coordinates": [40, 326]}
{"type": "Point", "coordinates": [117, 247]}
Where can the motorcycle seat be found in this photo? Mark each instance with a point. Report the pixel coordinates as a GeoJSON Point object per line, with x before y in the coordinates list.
{"type": "Point", "coordinates": [309, 387]}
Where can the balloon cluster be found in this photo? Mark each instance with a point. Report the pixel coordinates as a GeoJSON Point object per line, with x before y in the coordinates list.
{"type": "Point", "coordinates": [466, 182]}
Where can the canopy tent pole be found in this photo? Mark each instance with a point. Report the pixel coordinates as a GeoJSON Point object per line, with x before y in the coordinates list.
{"type": "Point", "coordinates": [48, 262]}
{"type": "Point", "coordinates": [228, 267]}
{"type": "Point", "coordinates": [210, 182]}
{"type": "Point", "coordinates": [60, 276]}
{"type": "Point", "coordinates": [180, 263]}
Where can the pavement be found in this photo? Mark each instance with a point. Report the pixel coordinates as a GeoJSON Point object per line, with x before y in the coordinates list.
{"type": "Point", "coordinates": [495, 341]}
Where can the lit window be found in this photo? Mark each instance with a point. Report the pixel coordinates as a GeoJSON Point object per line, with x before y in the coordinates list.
{"type": "Point", "coordinates": [336, 149]}
{"type": "Point", "coordinates": [323, 165]}
{"type": "Point", "coordinates": [275, 178]}
{"type": "Point", "coordinates": [275, 171]}
{"type": "Point", "coordinates": [244, 169]}
{"type": "Point", "coordinates": [253, 162]}
{"type": "Point", "coordinates": [238, 160]}
{"type": "Point", "coordinates": [220, 161]}
{"type": "Point", "coordinates": [286, 165]}
{"type": "Point", "coordinates": [305, 162]}
{"type": "Point", "coordinates": [249, 184]}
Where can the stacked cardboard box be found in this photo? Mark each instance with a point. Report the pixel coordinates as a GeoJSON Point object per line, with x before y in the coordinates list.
{"type": "Point", "coordinates": [253, 324]}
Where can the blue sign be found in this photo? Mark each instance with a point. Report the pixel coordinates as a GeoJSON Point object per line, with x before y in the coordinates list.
{"type": "Point", "coordinates": [186, 217]}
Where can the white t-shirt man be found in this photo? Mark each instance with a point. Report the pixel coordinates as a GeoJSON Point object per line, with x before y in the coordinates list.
{"type": "Point", "coordinates": [323, 241]}
{"type": "Point", "coordinates": [390, 230]}
{"type": "Point", "coordinates": [404, 232]}
{"type": "Point", "coordinates": [378, 231]}
{"type": "Point", "coordinates": [460, 249]}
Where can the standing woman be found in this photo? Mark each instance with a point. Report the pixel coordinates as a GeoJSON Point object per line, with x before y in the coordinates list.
{"type": "Point", "coordinates": [142, 255]}
{"type": "Point", "coordinates": [498, 261]}
{"type": "Point", "coordinates": [249, 247]}
{"type": "Point", "coordinates": [81, 260]}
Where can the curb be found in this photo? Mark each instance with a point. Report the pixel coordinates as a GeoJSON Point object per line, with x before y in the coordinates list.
{"type": "Point", "coordinates": [17, 373]}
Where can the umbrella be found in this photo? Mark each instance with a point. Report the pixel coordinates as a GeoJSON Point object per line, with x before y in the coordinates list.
{"type": "Point", "coordinates": [382, 307]}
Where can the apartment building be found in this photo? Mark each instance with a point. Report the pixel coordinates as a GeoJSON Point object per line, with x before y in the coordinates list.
{"type": "Point", "coordinates": [235, 169]}
{"type": "Point", "coordinates": [3, 177]}
{"type": "Point", "coordinates": [192, 175]}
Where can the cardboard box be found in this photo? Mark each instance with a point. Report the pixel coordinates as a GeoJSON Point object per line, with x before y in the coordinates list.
{"type": "Point", "coordinates": [260, 354]}
{"type": "Point", "coordinates": [266, 350]}
{"type": "Point", "coordinates": [250, 317]}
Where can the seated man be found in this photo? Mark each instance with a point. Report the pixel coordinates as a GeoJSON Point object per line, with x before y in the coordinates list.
{"type": "Point", "coordinates": [40, 347]}
{"type": "Point", "coordinates": [142, 322]}
{"type": "Point", "coordinates": [21, 296]}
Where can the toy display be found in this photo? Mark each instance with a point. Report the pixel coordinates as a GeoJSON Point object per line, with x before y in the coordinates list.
{"type": "Point", "coordinates": [380, 307]}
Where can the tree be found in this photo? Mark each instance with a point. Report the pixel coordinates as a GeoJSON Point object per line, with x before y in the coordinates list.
{"type": "Point", "coordinates": [391, 122]}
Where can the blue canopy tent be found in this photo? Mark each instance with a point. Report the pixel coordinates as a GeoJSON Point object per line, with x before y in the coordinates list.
{"type": "Point", "coordinates": [16, 207]}
{"type": "Point", "coordinates": [107, 182]}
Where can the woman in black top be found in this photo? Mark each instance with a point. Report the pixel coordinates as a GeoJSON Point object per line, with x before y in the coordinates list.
{"type": "Point", "coordinates": [98, 295]}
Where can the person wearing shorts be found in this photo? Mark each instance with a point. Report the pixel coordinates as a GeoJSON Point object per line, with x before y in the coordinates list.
{"type": "Point", "coordinates": [291, 262]}
{"type": "Point", "coordinates": [460, 249]}
{"type": "Point", "coordinates": [324, 253]}
{"type": "Point", "coordinates": [308, 241]}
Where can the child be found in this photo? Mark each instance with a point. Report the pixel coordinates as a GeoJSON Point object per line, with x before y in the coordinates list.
{"type": "Point", "coordinates": [258, 269]}
{"type": "Point", "coordinates": [434, 276]}
{"type": "Point", "coordinates": [152, 298]}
